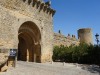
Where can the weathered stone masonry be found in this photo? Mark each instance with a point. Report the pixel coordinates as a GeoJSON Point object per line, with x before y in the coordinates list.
{"type": "Point", "coordinates": [84, 36]}
{"type": "Point", "coordinates": [60, 39]}
{"type": "Point", "coordinates": [27, 25]}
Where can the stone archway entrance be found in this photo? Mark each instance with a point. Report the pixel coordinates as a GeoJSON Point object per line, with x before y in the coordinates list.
{"type": "Point", "coordinates": [29, 48]}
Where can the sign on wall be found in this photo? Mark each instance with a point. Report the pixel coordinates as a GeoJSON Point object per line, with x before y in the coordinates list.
{"type": "Point", "coordinates": [13, 52]}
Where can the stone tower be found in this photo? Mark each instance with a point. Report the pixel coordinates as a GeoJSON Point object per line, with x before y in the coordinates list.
{"type": "Point", "coordinates": [85, 35]}
{"type": "Point", "coordinates": [27, 26]}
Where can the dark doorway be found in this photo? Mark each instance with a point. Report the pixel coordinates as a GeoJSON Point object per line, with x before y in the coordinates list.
{"type": "Point", "coordinates": [29, 48]}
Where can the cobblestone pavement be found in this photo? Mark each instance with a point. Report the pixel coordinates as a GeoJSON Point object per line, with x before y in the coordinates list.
{"type": "Point", "coordinates": [29, 68]}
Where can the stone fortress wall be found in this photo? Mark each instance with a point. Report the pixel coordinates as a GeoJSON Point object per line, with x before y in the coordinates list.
{"type": "Point", "coordinates": [84, 35]}
{"type": "Point", "coordinates": [60, 39]}
{"type": "Point", "coordinates": [27, 25]}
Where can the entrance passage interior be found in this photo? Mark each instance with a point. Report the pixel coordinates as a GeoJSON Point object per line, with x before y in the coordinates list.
{"type": "Point", "coordinates": [29, 48]}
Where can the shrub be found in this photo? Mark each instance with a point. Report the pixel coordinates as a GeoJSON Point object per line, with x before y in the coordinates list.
{"type": "Point", "coordinates": [85, 54]}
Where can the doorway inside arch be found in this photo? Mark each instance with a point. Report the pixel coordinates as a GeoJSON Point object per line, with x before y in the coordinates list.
{"type": "Point", "coordinates": [29, 48]}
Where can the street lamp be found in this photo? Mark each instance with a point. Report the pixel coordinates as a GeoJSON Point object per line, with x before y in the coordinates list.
{"type": "Point", "coordinates": [97, 38]}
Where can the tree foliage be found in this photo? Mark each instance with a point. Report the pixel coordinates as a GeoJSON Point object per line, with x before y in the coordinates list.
{"type": "Point", "coordinates": [85, 54]}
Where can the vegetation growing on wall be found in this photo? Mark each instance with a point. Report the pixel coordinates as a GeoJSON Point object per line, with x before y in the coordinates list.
{"type": "Point", "coordinates": [84, 54]}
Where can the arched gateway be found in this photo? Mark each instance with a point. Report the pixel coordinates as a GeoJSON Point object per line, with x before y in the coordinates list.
{"type": "Point", "coordinates": [27, 27]}
{"type": "Point", "coordinates": [29, 48]}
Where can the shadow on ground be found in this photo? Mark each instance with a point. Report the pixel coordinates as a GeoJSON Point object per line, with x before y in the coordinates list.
{"type": "Point", "coordinates": [91, 68]}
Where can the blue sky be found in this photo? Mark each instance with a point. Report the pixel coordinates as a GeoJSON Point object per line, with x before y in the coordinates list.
{"type": "Point", "coordinates": [74, 14]}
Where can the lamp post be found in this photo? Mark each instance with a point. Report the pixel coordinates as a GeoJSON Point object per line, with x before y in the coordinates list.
{"type": "Point", "coordinates": [97, 38]}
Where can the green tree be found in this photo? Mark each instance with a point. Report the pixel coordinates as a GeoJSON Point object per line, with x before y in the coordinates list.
{"type": "Point", "coordinates": [84, 53]}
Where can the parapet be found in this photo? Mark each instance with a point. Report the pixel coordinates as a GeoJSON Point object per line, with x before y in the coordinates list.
{"type": "Point", "coordinates": [42, 5]}
{"type": "Point", "coordinates": [39, 4]}
{"type": "Point", "coordinates": [60, 39]}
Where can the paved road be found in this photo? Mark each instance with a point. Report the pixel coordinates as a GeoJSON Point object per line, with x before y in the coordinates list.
{"type": "Point", "coordinates": [29, 68]}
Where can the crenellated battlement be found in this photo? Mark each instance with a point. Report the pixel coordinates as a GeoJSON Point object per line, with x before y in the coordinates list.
{"type": "Point", "coordinates": [23, 4]}
{"type": "Point", "coordinates": [41, 6]}
{"type": "Point", "coordinates": [60, 39]}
